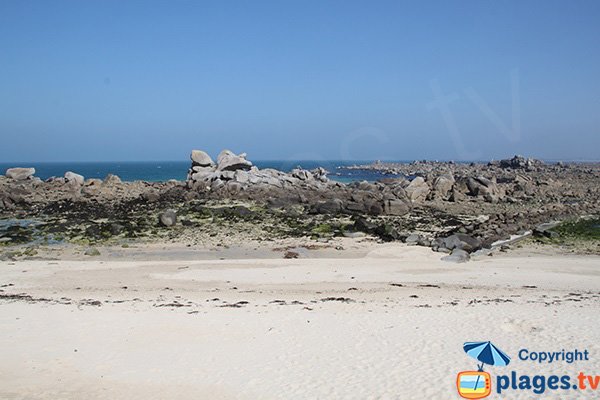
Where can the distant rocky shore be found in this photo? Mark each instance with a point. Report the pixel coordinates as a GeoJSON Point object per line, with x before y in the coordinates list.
{"type": "Point", "coordinates": [451, 207]}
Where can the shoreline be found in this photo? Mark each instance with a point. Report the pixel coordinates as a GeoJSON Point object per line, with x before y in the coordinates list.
{"type": "Point", "coordinates": [277, 328]}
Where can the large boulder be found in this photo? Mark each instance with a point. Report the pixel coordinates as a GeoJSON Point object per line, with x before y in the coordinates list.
{"type": "Point", "coordinates": [396, 207]}
{"type": "Point", "coordinates": [332, 206]}
{"type": "Point", "coordinates": [201, 158]}
{"type": "Point", "coordinates": [442, 185]}
{"type": "Point", "coordinates": [20, 174]}
{"type": "Point", "coordinates": [417, 190]}
{"type": "Point", "coordinates": [227, 161]}
{"type": "Point", "coordinates": [486, 188]}
{"type": "Point", "coordinates": [74, 178]}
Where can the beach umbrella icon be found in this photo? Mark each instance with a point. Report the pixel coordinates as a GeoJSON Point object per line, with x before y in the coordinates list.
{"type": "Point", "coordinates": [486, 353]}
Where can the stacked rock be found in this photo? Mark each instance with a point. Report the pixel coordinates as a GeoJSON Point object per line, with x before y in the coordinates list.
{"type": "Point", "coordinates": [236, 172]}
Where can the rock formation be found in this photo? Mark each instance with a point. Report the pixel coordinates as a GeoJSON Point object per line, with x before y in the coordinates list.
{"type": "Point", "coordinates": [20, 174]}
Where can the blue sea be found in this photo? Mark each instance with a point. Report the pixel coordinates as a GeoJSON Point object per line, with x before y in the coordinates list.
{"type": "Point", "coordinates": [157, 171]}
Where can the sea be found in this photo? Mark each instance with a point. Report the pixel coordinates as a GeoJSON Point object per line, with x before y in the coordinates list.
{"type": "Point", "coordinates": [158, 171]}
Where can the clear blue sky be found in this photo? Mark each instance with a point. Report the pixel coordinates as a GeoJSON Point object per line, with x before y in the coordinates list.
{"type": "Point", "coordinates": [150, 80]}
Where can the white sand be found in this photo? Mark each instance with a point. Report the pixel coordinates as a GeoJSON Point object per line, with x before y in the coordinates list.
{"type": "Point", "coordinates": [383, 344]}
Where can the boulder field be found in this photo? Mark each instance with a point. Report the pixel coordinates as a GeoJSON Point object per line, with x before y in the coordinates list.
{"type": "Point", "coordinates": [448, 206]}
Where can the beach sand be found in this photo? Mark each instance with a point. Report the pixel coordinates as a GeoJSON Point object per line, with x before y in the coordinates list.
{"type": "Point", "coordinates": [377, 321]}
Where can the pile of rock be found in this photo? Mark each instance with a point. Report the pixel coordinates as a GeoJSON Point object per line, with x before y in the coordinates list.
{"type": "Point", "coordinates": [234, 173]}
{"type": "Point", "coordinates": [519, 162]}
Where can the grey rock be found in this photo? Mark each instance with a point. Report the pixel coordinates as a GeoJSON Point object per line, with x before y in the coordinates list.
{"type": "Point", "coordinates": [396, 207]}
{"type": "Point", "coordinates": [20, 174]}
{"type": "Point", "coordinates": [227, 161]}
{"type": "Point", "coordinates": [353, 234]}
{"type": "Point", "coordinates": [234, 187]}
{"type": "Point", "coordinates": [332, 206]}
{"type": "Point", "coordinates": [223, 154]}
{"type": "Point", "coordinates": [241, 176]}
{"type": "Point", "coordinates": [201, 173]}
{"type": "Point", "coordinates": [546, 229]}
{"type": "Point", "coordinates": [484, 187]}
{"type": "Point", "coordinates": [151, 196]}
{"type": "Point", "coordinates": [217, 184]}
{"type": "Point", "coordinates": [457, 256]}
{"type": "Point", "coordinates": [413, 239]}
{"type": "Point", "coordinates": [201, 158]}
{"type": "Point", "coordinates": [520, 162]}
{"type": "Point", "coordinates": [301, 174]}
{"type": "Point", "coordinates": [442, 185]}
{"type": "Point", "coordinates": [92, 252]}
{"type": "Point", "coordinates": [226, 175]}
{"type": "Point", "coordinates": [417, 190]}
{"type": "Point", "coordinates": [462, 241]}
{"type": "Point", "coordinates": [320, 174]}
{"type": "Point", "coordinates": [73, 177]}
{"type": "Point", "coordinates": [93, 182]}
{"type": "Point", "coordinates": [168, 218]}
{"type": "Point", "coordinates": [112, 180]}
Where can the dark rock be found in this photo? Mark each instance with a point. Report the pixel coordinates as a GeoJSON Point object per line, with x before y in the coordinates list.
{"type": "Point", "coordinates": [291, 254]}
{"type": "Point", "coordinates": [364, 225]}
{"type": "Point", "coordinates": [333, 206]}
{"type": "Point", "coordinates": [520, 162]}
{"type": "Point", "coordinates": [387, 232]}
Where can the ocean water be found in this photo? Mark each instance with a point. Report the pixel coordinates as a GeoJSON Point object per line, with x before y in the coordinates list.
{"type": "Point", "coordinates": [157, 171]}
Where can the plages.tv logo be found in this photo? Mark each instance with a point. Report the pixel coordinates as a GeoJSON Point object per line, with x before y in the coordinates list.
{"type": "Point", "coordinates": [478, 384]}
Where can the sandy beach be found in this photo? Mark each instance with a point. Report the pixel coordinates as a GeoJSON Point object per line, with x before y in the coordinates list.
{"type": "Point", "coordinates": [381, 321]}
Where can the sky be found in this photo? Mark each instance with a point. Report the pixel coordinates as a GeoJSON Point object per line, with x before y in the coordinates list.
{"type": "Point", "coordinates": [282, 80]}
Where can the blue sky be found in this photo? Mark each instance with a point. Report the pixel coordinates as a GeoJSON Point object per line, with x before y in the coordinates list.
{"type": "Point", "coordinates": [150, 80]}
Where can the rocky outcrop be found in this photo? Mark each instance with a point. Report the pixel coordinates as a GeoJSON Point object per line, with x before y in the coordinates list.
{"type": "Point", "coordinates": [454, 208]}
{"type": "Point", "coordinates": [233, 174]}
{"type": "Point", "coordinates": [442, 186]}
{"type": "Point", "coordinates": [520, 162]}
{"type": "Point", "coordinates": [201, 159]}
{"type": "Point", "coordinates": [20, 174]}
{"type": "Point", "coordinates": [396, 207]}
{"type": "Point", "coordinates": [228, 161]}
{"type": "Point", "coordinates": [74, 178]}
{"type": "Point", "coordinates": [417, 190]}
{"type": "Point", "coordinates": [486, 188]}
